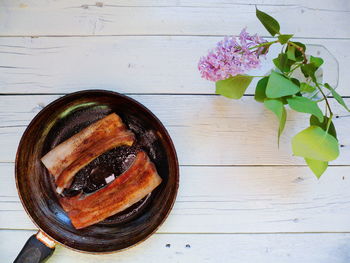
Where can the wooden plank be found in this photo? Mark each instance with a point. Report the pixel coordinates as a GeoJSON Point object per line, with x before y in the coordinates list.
{"type": "Point", "coordinates": [158, 65]}
{"type": "Point", "coordinates": [213, 131]}
{"type": "Point", "coordinates": [235, 200]}
{"type": "Point", "coordinates": [263, 248]}
{"type": "Point", "coordinates": [337, 5]}
{"type": "Point", "coordinates": [107, 18]}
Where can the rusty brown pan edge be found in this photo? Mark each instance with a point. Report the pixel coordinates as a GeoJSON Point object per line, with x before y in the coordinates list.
{"type": "Point", "coordinates": [168, 139]}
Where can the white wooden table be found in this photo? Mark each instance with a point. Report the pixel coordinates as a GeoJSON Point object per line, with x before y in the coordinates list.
{"type": "Point", "coordinates": [241, 199]}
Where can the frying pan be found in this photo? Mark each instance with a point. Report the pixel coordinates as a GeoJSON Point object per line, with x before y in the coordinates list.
{"type": "Point", "coordinates": [56, 123]}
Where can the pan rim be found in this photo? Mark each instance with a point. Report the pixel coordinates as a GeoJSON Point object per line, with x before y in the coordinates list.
{"type": "Point", "coordinates": [174, 160]}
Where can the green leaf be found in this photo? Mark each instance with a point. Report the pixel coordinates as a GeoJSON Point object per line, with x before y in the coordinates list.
{"type": "Point", "coordinates": [260, 91]}
{"type": "Point", "coordinates": [269, 22]}
{"type": "Point", "coordinates": [279, 86]}
{"type": "Point", "coordinates": [298, 54]}
{"type": "Point", "coordinates": [336, 96]}
{"type": "Point", "coordinates": [304, 87]}
{"type": "Point", "coordinates": [317, 61]}
{"type": "Point", "coordinates": [283, 39]}
{"type": "Point", "coordinates": [276, 106]}
{"type": "Point", "coordinates": [265, 49]}
{"type": "Point", "coordinates": [300, 45]}
{"type": "Point", "coordinates": [315, 143]}
{"type": "Point", "coordinates": [315, 122]}
{"type": "Point", "coordinates": [283, 63]}
{"type": "Point", "coordinates": [309, 70]}
{"type": "Point", "coordinates": [317, 167]}
{"type": "Point", "coordinates": [233, 87]}
{"type": "Point", "coordinates": [302, 104]}
{"type": "Point", "coordinates": [291, 52]}
{"type": "Point", "coordinates": [295, 81]}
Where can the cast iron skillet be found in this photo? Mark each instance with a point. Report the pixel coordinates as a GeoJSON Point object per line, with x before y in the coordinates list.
{"type": "Point", "coordinates": [54, 124]}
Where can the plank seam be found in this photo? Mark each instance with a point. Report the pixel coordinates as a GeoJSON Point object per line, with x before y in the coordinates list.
{"type": "Point", "coordinates": [233, 165]}
{"type": "Point", "coordinates": [141, 94]}
{"type": "Point", "coordinates": [159, 35]}
{"type": "Point", "coordinates": [214, 233]}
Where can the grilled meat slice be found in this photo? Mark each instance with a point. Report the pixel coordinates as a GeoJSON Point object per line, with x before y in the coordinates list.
{"type": "Point", "coordinates": [127, 189]}
{"type": "Point", "coordinates": [66, 159]}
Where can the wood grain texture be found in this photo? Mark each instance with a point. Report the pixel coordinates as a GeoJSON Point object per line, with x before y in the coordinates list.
{"type": "Point", "coordinates": [337, 5]}
{"type": "Point", "coordinates": [175, 18]}
{"type": "Point", "coordinates": [235, 200]}
{"type": "Point", "coordinates": [130, 64]}
{"type": "Point", "coordinates": [159, 55]}
{"type": "Point", "coordinates": [206, 130]}
{"type": "Point", "coordinates": [334, 5]}
{"type": "Point", "coordinates": [263, 248]}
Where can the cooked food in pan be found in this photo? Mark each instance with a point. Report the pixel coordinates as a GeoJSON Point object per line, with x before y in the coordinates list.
{"type": "Point", "coordinates": [122, 191]}
{"type": "Point", "coordinates": [127, 189]}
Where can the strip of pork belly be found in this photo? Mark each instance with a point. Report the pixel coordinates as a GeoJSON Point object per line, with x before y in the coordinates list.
{"type": "Point", "coordinates": [94, 199]}
{"type": "Point", "coordinates": [68, 151]}
{"type": "Point", "coordinates": [127, 189]}
{"type": "Point", "coordinates": [65, 179]}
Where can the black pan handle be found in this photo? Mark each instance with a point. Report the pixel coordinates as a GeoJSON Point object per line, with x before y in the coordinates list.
{"type": "Point", "coordinates": [37, 249]}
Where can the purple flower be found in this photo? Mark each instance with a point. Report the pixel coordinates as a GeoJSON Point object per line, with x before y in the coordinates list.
{"type": "Point", "coordinates": [231, 57]}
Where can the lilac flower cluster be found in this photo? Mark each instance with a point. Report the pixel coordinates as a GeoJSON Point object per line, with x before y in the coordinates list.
{"type": "Point", "coordinates": [231, 57]}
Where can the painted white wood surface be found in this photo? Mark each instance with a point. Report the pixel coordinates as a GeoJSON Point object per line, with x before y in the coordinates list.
{"type": "Point", "coordinates": [110, 18]}
{"type": "Point", "coordinates": [128, 64]}
{"type": "Point", "coordinates": [239, 195]}
{"type": "Point", "coordinates": [187, 248]}
{"type": "Point", "coordinates": [242, 132]}
{"type": "Point", "coordinates": [334, 5]}
{"type": "Point", "coordinates": [235, 200]}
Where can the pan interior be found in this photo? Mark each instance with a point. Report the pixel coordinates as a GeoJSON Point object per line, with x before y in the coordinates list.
{"type": "Point", "coordinates": [59, 121]}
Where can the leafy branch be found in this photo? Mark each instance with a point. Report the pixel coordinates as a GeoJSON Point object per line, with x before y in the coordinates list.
{"type": "Point", "coordinates": [318, 143]}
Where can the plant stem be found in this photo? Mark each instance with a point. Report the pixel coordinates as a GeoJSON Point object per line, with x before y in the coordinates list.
{"type": "Point", "coordinates": [329, 122]}
{"type": "Point", "coordinates": [290, 72]}
{"type": "Point", "coordinates": [264, 44]}
{"type": "Point", "coordinates": [325, 98]}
